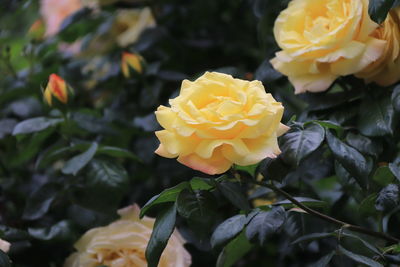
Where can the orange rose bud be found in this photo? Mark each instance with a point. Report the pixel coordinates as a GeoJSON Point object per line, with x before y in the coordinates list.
{"type": "Point", "coordinates": [57, 88]}
{"type": "Point", "coordinates": [129, 61]}
{"type": "Point", "coordinates": [36, 31]}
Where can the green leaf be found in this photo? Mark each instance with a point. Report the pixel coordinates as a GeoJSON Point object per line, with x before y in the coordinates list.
{"type": "Point", "coordinates": [227, 230]}
{"type": "Point", "coordinates": [265, 223]}
{"type": "Point", "coordinates": [299, 143]}
{"type": "Point", "coordinates": [163, 228]}
{"type": "Point", "coordinates": [116, 152]}
{"type": "Point", "coordinates": [75, 164]}
{"type": "Point", "coordinates": [35, 125]}
{"type": "Point", "coordinates": [352, 160]}
{"type": "Point", "coordinates": [58, 232]}
{"type": "Point", "coordinates": [377, 116]}
{"type": "Point", "coordinates": [367, 206]}
{"type": "Point", "coordinates": [234, 251]}
{"type": "Point", "coordinates": [198, 183]}
{"type": "Point", "coordinates": [396, 97]}
{"type": "Point", "coordinates": [324, 261]}
{"type": "Point", "coordinates": [6, 127]}
{"type": "Point", "coordinates": [378, 9]}
{"type": "Point", "coordinates": [365, 243]}
{"type": "Point", "coordinates": [388, 198]}
{"type": "Point", "coordinates": [40, 201]}
{"type": "Point", "coordinates": [312, 237]}
{"type": "Point", "coordinates": [233, 192]}
{"type": "Point", "coordinates": [266, 73]}
{"type": "Point", "coordinates": [168, 195]}
{"type": "Point", "coordinates": [395, 167]}
{"type": "Point", "coordinates": [359, 258]}
{"type": "Point", "coordinates": [103, 187]}
{"type": "Point", "coordinates": [309, 202]}
{"type": "Point", "coordinates": [198, 206]}
{"type": "Point", "coordinates": [383, 176]}
{"type": "Point", "coordinates": [4, 260]}
{"type": "Point", "coordinates": [330, 125]}
{"type": "Point", "coordinates": [364, 144]}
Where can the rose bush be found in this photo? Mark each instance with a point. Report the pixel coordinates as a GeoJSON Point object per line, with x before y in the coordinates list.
{"type": "Point", "coordinates": [217, 121]}
{"type": "Point", "coordinates": [322, 40]}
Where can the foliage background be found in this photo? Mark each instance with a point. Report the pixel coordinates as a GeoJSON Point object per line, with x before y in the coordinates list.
{"type": "Point", "coordinates": [70, 170]}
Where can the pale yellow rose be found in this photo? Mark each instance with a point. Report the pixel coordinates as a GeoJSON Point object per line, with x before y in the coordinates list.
{"type": "Point", "coordinates": [123, 244]}
{"type": "Point", "coordinates": [217, 121]}
{"type": "Point", "coordinates": [386, 70]}
{"type": "Point", "coordinates": [55, 11]}
{"type": "Point", "coordinates": [130, 23]}
{"type": "Point", "coordinates": [4, 245]}
{"type": "Point", "coordinates": [324, 39]}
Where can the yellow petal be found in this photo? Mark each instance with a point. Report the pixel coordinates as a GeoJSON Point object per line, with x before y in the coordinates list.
{"type": "Point", "coordinates": [214, 165]}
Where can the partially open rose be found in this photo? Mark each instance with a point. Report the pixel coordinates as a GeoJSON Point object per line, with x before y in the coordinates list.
{"type": "Point", "coordinates": [217, 121]}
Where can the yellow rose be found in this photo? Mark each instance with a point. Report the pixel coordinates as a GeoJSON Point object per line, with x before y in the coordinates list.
{"type": "Point", "coordinates": [322, 40]}
{"type": "Point", "coordinates": [130, 23]}
{"type": "Point", "coordinates": [217, 121]}
{"type": "Point", "coordinates": [123, 244]}
{"type": "Point", "coordinates": [55, 11]}
{"type": "Point", "coordinates": [386, 70]}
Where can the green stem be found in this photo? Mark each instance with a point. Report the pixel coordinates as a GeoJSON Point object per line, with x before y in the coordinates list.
{"type": "Point", "coordinates": [327, 218]}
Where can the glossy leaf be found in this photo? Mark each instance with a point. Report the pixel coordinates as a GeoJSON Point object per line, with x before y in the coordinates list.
{"type": "Point", "coordinates": [227, 230]}
{"type": "Point", "coordinates": [234, 194]}
{"type": "Point", "coordinates": [359, 258]}
{"type": "Point", "coordinates": [163, 228]}
{"type": "Point", "coordinates": [75, 164]}
{"type": "Point", "coordinates": [265, 223]}
{"type": "Point", "coordinates": [388, 198]}
{"type": "Point", "coordinates": [40, 201]}
{"type": "Point", "coordinates": [35, 125]}
{"type": "Point", "coordinates": [378, 9]}
{"type": "Point", "coordinates": [299, 143]}
{"type": "Point", "coordinates": [234, 251]}
{"type": "Point", "coordinates": [352, 160]}
{"type": "Point", "coordinates": [4, 260]}
{"type": "Point", "coordinates": [324, 261]}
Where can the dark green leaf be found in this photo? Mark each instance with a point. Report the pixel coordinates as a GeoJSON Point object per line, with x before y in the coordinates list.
{"type": "Point", "coordinates": [116, 152]}
{"type": "Point", "coordinates": [35, 125]}
{"type": "Point", "coordinates": [198, 183]}
{"type": "Point", "coordinates": [396, 97]}
{"type": "Point", "coordinates": [39, 202]}
{"type": "Point", "coordinates": [163, 228]}
{"type": "Point", "coordinates": [378, 9]}
{"type": "Point", "coordinates": [395, 167]}
{"type": "Point", "coordinates": [377, 116]}
{"type": "Point", "coordinates": [352, 160]}
{"type": "Point", "coordinates": [228, 230]}
{"type": "Point", "coordinates": [367, 206]}
{"type": "Point", "coordinates": [312, 237]}
{"type": "Point", "coordinates": [233, 192]}
{"type": "Point", "coordinates": [324, 261]}
{"type": "Point", "coordinates": [299, 143]}
{"type": "Point", "coordinates": [265, 223]}
{"type": "Point", "coordinates": [265, 72]}
{"type": "Point", "coordinates": [4, 260]}
{"type": "Point", "coordinates": [364, 144]}
{"type": "Point", "coordinates": [103, 187]}
{"type": "Point", "coordinates": [359, 258]}
{"type": "Point", "coordinates": [58, 232]}
{"type": "Point", "coordinates": [388, 198]}
{"type": "Point", "coordinates": [168, 195]}
{"type": "Point", "coordinates": [383, 176]}
{"type": "Point", "coordinates": [274, 169]}
{"type": "Point", "coordinates": [6, 127]}
{"type": "Point", "coordinates": [74, 165]}
{"type": "Point", "coordinates": [365, 243]}
{"type": "Point", "coordinates": [198, 206]}
{"type": "Point", "coordinates": [234, 251]}
{"type": "Point", "coordinates": [309, 202]}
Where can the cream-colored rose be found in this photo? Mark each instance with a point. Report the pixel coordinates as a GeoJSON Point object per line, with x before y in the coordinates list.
{"type": "Point", "coordinates": [55, 11]}
{"type": "Point", "coordinates": [123, 244]}
{"type": "Point", "coordinates": [386, 70]}
{"type": "Point", "coordinates": [4, 245]}
{"type": "Point", "coordinates": [322, 40]}
{"type": "Point", "coordinates": [217, 121]}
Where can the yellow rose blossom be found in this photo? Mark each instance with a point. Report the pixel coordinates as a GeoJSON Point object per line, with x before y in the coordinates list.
{"type": "Point", "coordinates": [130, 23]}
{"type": "Point", "coordinates": [322, 40]}
{"type": "Point", "coordinates": [123, 244]}
{"type": "Point", "coordinates": [57, 88]}
{"type": "Point", "coordinates": [130, 60]}
{"type": "Point", "coordinates": [386, 70]}
{"type": "Point", "coordinates": [217, 121]}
